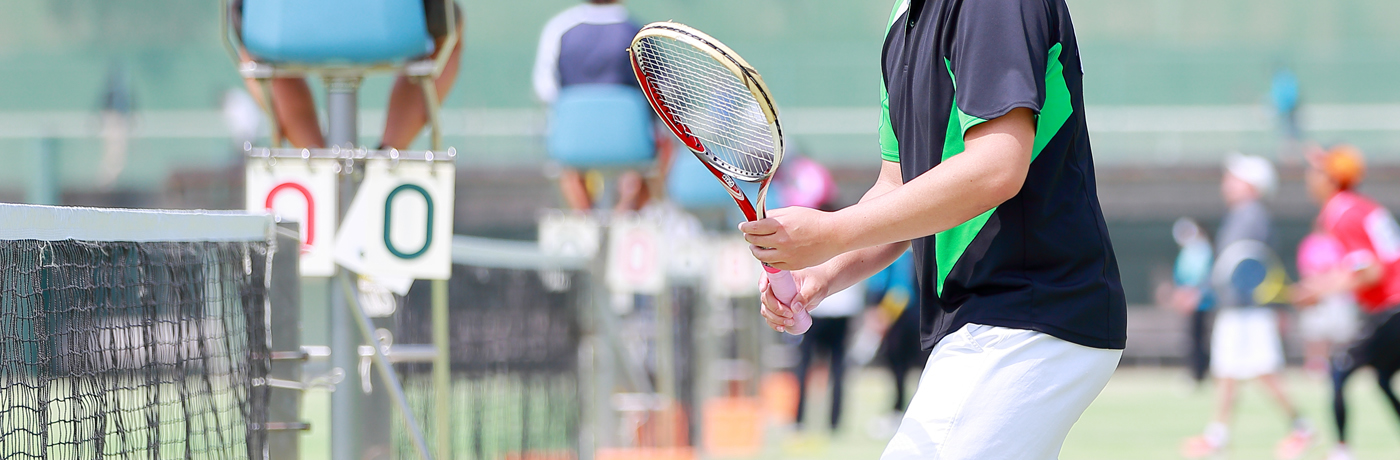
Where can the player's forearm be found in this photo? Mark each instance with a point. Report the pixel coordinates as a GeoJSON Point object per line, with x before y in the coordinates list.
{"type": "Point", "coordinates": [851, 267]}
{"type": "Point", "coordinates": [951, 193]}
{"type": "Point", "coordinates": [991, 169]}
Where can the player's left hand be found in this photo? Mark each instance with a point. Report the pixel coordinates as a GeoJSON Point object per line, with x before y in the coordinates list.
{"type": "Point", "coordinates": [792, 238]}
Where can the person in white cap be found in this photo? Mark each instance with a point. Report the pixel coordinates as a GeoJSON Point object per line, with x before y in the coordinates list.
{"type": "Point", "coordinates": [1245, 343]}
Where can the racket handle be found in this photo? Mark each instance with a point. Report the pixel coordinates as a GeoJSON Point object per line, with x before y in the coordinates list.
{"type": "Point", "coordinates": [785, 289]}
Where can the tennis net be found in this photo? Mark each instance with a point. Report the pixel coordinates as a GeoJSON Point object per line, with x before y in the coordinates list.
{"type": "Point", "coordinates": [514, 341]}
{"type": "Point", "coordinates": [132, 334]}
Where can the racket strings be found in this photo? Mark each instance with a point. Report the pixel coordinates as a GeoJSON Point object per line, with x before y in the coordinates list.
{"type": "Point", "coordinates": [713, 103]}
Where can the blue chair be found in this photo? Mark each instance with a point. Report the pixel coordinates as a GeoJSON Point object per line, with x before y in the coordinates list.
{"type": "Point", "coordinates": [342, 40]}
{"type": "Point", "coordinates": [335, 31]}
{"type": "Point", "coordinates": [691, 185]}
{"type": "Point", "coordinates": [601, 127]}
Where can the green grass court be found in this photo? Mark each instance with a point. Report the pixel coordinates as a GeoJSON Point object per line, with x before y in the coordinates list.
{"type": "Point", "coordinates": [1143, 414]}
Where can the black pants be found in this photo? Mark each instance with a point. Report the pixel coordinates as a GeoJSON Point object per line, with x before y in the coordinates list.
{"type": "Point", "coordinates": [1377, 346]}
{"type": "Point", "coordinates": [829, 334]}
{"type": "Point", "coordinates": [904, 352]}
{"type": "Point", "coordinates": [1199, 346]}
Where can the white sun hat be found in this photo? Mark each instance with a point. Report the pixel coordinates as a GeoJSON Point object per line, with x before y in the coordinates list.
{"type": "Point", "coordinates": [1254, 170]}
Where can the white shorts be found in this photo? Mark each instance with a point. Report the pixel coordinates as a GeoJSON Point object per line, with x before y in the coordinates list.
{"type": "Point", "coordinates": [1334, 319]}
{"type": "Point", "coordinates": [1245, 343]}
{"type": "Point", "coordinates": [990, 393]}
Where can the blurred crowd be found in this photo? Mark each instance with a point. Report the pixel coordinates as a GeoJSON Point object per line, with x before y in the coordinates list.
{"type": "Point", "coordinates": [1233, 292]}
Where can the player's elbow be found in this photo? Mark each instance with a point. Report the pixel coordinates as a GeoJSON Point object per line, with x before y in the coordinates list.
{"type": "Point", "coordinates": [1005, 183]}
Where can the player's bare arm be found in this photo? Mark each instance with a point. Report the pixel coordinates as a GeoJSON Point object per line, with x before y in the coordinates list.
{"type": "Point", "coordinates": [848, 245]}
{"type": "Point", "coordinates": [1308, 291]}
{"type": "Point", "coordinates": [851, 266]}
{"type": "Point", "coordinates": [988, 173]}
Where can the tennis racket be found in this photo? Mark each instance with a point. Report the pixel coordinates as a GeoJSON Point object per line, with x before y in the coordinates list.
{"type": "Point", "coordinates": [1249, 273]}
{"type": "Point", "coordinates": [719, 107]}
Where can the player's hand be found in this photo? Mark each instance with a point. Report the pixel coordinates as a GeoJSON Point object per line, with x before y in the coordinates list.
{"type": "Point", "coordinates": [792, 238]}
{"type": "Point", "coordinates": [1303, 296]}
{"type": "Point", "coordinates": [811, 289]}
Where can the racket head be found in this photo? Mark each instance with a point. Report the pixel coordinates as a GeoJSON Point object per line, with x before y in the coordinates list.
{"type": "Point", "coordinates": [710, 98]}
{"type": "Point", "coordinates": [1248, 273]}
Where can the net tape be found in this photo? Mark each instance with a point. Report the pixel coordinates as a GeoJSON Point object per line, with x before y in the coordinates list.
{"type": "Point", "coordinates": [147, 350]}
{"type": "Point", "coordinates": [710, 100]}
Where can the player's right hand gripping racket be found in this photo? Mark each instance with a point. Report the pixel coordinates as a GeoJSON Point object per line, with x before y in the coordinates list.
{"type": "Point", "coordinates": [718, 106]}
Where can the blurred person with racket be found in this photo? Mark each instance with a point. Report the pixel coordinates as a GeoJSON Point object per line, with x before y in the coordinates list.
{"type": "Point", "coordinates": [1370, 268]}
{"type": "Point", "coordinates": [988, 172]}
{"type": "Point", "coordinates": [583, 45]}
{"type": "Point", "coordinates": [1247, 278]}
{"type": "Point", "coordinates": [1333, 322]}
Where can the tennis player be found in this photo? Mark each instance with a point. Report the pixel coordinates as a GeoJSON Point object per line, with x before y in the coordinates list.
{"type": "Point", "coordinates": [987, 170]}
{"type": "Point", "coordinates": [1245, 343]}
{"type": "Point", "coordinates": [1371, 238]}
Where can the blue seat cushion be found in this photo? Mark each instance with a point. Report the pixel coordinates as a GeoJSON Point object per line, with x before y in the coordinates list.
{"type": "Point", "coordinates": [692, 186]}
{"type": "Point", "coordinates": [335, 31]}
{"type": "Point", "coordinates": [599, 126]}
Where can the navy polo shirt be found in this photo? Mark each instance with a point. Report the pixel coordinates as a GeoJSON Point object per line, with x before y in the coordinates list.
{"type": "Point", "coordinates": [1042, 260]}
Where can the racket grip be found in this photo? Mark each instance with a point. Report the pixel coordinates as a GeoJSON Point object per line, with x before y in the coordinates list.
{"type": "Point", "coordinates": [785, 289]}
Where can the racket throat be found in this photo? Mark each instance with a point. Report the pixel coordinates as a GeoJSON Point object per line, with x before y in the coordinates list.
{"type": "Point", "coordinates": [750, 212]}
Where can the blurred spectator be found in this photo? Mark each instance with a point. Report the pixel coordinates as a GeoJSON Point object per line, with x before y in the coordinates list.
{"type": "Point", "coordinates": [830, 329]}
{"type": "Point", "coordinates": [1284, 94]}
{"type": "Point", "coordinates": [1332, 322]}
{"type": "Point", "coordinates": [587, 44]}
{"type": "Point", "coordinates": [1370, 268]}
{"type": "Point", "coordinates": [803, 181]}
{"type": "Point", "coordinates": [295, 107]}
{"type": "Point", "coordinates": [242, 116]}
{"type": "Point", "coordinates": [1190, 292]}
{"type": "Point", "coordinates": [117, 107]}
{"type": "Point", "coordinates": [894, 321]}
{"type": "Point", "coordinates": [1245, 343]}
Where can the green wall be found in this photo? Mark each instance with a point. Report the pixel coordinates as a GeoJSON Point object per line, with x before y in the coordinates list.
{"type": "Point", "coordinates": [54, 56]}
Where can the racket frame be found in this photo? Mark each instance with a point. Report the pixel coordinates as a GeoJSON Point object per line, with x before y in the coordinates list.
{"type": "Point", "coordinates": [741, 69]}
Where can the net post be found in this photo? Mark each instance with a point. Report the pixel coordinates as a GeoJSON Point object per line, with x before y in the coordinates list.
{"type": "Point", "coordinates": [442, 384]}
{"type": "Point", "coordinates": [284, 299]}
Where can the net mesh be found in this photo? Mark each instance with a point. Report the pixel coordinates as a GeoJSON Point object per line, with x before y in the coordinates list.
{"type": "Point", "coordinates": [712, 102]}
{"type": "Point", "coordinates": [514, 340]}
{"type": "Point", "coordinates": [152, 350]}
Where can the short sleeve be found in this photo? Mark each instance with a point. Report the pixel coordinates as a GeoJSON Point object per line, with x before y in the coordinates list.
{"type": "Point", "coordinates": [889, 144]}
{"type": "Point", "coordinates": [998, 58]}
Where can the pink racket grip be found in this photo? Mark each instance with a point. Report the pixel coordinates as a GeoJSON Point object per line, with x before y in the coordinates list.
{"type": "Point", "coordinates": [785, 289]}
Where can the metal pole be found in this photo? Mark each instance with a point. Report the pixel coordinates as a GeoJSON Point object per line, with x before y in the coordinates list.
{"type": "Point", "coordinates": [665, 367]}
{"type": "Point", "coordinates": [360, 426]}
{"type": "Point", "coordinates": [386, 370]}
{"type": "Point", "coordinates": [442, 372]}
{"type": "Point", "coordinates": [285, 302]}
{"type": "Point", "coordinates": [43, 188]}
{"type": "Point", "coordinates": [342, 111]}
{"type": "Point", "coordinates": [442, 381]}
